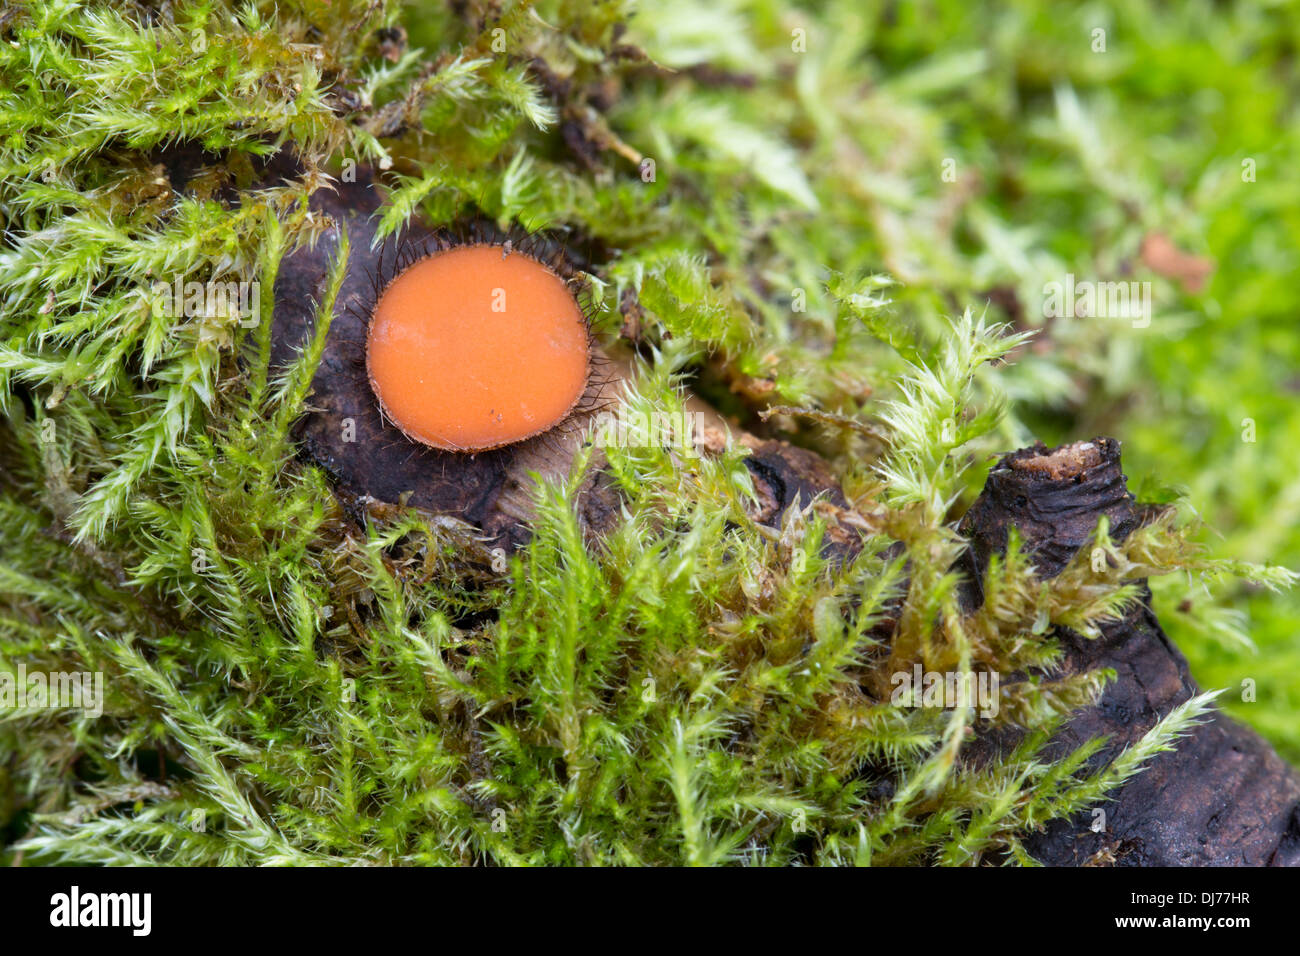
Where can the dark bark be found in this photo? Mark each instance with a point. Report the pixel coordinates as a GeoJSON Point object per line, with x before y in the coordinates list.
{"type": "Point", "coordinates": [1223, 797]}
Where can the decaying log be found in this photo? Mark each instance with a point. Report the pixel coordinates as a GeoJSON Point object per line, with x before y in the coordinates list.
{"type": "Point", "coordinates": [1223, 797]}
{"type": "Point", "coordinates": [370, 459]}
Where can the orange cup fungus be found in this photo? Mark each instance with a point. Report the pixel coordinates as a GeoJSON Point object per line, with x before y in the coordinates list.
{"type": "Point", "coordinates": [476, 346]}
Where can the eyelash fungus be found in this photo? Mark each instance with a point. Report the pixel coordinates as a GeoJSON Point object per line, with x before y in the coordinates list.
{"type": "Point", "coordinates": [472, 347]}
{"type": "Point", "coordinates": [396, 456]}
{"type": "Point", "coordinates": [480, 339]}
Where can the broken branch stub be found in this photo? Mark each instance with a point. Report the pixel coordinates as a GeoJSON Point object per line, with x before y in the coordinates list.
{"type": "Point", "coordinates": [1223, 797]}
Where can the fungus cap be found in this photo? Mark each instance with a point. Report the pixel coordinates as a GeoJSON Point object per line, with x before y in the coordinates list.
{"type": "Point", "coordinates": [475, 347]}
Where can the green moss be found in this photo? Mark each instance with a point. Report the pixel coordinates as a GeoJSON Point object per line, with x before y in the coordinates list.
{"type": "Point", "coordinates": [284, 688]}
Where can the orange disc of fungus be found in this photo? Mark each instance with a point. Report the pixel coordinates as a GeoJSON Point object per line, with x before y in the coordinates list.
{"type": "Point", "coordinates": [476, 347]}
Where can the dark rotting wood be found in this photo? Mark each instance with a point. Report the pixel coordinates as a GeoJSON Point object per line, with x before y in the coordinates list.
{"type": "Point", "coordinates": [369, 458]}
{"type": "Point", "coordinates": [1055, 499]}
{"type": "Point", "coordinates": [1223, 797]}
